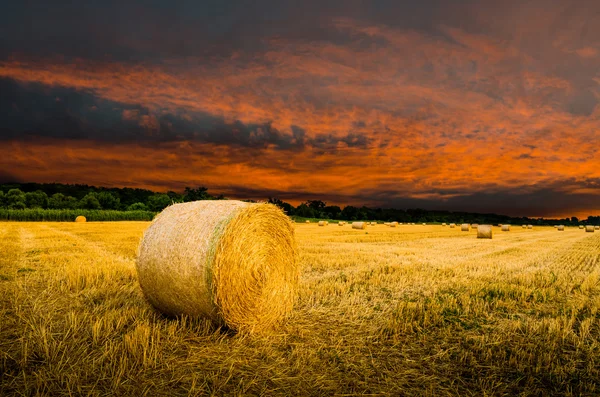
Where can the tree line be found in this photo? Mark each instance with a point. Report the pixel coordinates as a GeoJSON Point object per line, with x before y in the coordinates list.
{"type": "Point", "coordinates": [57, 196]}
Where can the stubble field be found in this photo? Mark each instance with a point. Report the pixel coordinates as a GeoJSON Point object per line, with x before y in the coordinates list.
{"type": "Point", "coordinates": [412, 310]}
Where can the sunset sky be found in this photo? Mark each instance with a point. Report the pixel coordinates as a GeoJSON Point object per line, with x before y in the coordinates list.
{"type": "Point", "coordinates": [483, 106]}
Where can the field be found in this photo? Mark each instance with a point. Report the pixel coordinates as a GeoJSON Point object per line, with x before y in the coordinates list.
{"type": "Point", "coordinates": [412, 310]}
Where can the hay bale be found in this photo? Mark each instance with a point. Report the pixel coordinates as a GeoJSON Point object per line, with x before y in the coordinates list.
{"type": "Point", "coordinates": [529, 226]}
{"type": "Point", "coordinates": [474, 226]}
{"type": "Point", "coordinates": [506, 228]}
{"type": "Point", "coordinates": [452, 225]}
{"type": "Point", "coordinates": [230, 261]}
{"type": "Point", "coordinates": [424, 224]}
{"type": "Point", "coordinates": [581, 226]}
{"type": "Point", "coordinates": [323, 223]}
{"type": "Point", "coordinates": [444, 224]}
{"type": "Point", "coordinates": [589, 229]}
{"type": "Point", "coordinates": [394, 224]}
{"type": "Point", "coordinates": [597, 228]}
{"type": "Point", "coordinates": [464, 227]}
{"type": "Point", "coordinates": [560, 228]}
{"type": "Point", "coordinates": [341, 223]}
{"type": "Point", "coordinates": [307, 221]}
{"type": "Point", "coordinates": [484, 231]}
{"type": "Point", "coordinates": [81, 218]}
{"type": "Point", "coordinates": [359, 225]}
{"type": "Point", "coordinates": [524, 226]}
{"type": "Point", "coordinates": [555, 226]}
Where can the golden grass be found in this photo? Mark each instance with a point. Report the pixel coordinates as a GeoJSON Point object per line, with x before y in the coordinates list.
{"type": "Point", "coordinates": [398, 311]}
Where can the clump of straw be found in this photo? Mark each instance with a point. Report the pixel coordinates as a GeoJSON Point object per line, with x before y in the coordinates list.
{"type": "Point", "coordinates": [230, 261]}
{"type": "Point", "coordinates": [484, 231]}
{"type": "Point", "coordinates": [359, 225]}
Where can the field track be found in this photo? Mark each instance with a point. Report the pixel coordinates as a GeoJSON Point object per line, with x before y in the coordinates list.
{"type": "Point", "coordinates": [412, 310]}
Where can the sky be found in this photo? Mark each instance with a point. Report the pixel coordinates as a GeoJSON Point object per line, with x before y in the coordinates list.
{"type": "Point", "coordinates": [479, 106]}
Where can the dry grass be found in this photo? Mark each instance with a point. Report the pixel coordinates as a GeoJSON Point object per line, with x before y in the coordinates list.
{"type": "Point", "coordinates": [398, 311]}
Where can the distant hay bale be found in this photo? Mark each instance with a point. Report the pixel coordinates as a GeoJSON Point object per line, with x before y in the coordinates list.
{"type": "Point", "coordinates": [506, 228]}
{"type": "Point", "coordinates": [555, 226]}
{"type": "Point", "coordinates": [560, 228]}
{"type": "Point", "coordinates": [464, 227]}
{"type": "Point", "coordinates": [524, 226]}
{"type": "Point", "coordinates": [307, 221]}
{"type": "Point", "coordinates": [424, 224]}
{"type": "Point", "coordinates": [81, 218]}
{"type": "Point", "coordinates": [444, 224]}
{"type": "Point", "coordinates": [474, 226]}
{"type": "Point", "coordinates": [597, 228]}
{"type": "Point", "coordinates": [452, 225]}
{"type": "Point", "coordinates": [393, 224]}
{"type": "Point", "coordinates": [233, 262]}
{"type": "Point", "coordinates": [323, 223]}
{"type": "Point", "coordinates": [581, 226]}
{"type": "Point", "coordinates": [359, 225]}
{"type": "Point", "coordinates": [589, 229]}
{"type": "Point", "coordinates": [529, 226]}
{"type": "Point", "coordinates": [484, 231]}
{"type": "Point", "coordinates": [341, 223]}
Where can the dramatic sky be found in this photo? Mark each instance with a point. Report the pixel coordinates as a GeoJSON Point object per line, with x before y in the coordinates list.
{"type": "Point", "coordinates": [459, 105]}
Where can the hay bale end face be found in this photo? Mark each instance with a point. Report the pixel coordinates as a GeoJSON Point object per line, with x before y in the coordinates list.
{"type": "Point", "coordinates": [81, 218]}
{"type": "Point", "coordinates": [560, 228]}
{"type": "Point", "coordinates": [230, 261]}
{"type": "Point", "coordinates": [359, 225]}
{"type": "Point", "coordinates": [484, 231]}
{"type": "Point", "coordinates": [589, 229]}
{"type": "Point", "coordinates": [464, 227]}
{"type": "Point", "coordinates": [506, 228]}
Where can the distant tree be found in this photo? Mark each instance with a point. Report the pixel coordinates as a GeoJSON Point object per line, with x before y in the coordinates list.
{"type": "Point", "coordinates": [305, 211]}
{"type": "Point", "coordinates": [350, 213]}
{"type": "Point", "coordinates": [333, 212]}
{"type": "Point", "coordinates": [15, 199]}
{"type": "Point", "coordinates": [137, 207]}
{"type": "Point", "coordinates": [574, 219]}
{"type": "Point", "coordinates": [316, 205]}
{"type": "Point", "coordinates": [37, 199]}
{"type": "Point", "coordinates": [60, 201]}
{"type": "Point", "coordinates": [108, 201]}
{"type": "Point", "coordinates": [2, 199]}
{"type": "Point", "coordinates": [175, 197]}
{"type": "Point", "coordinates": [287, 207]}
{"type": "Point", "coordinates": [158, 202]}
{"type": "Point", "coordinates": [200, 193]}
{"type": "Point", "coordinates": [90, 202]}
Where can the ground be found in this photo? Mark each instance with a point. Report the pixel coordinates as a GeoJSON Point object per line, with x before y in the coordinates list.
{"type": "Point", "coordinates": [412, 310]}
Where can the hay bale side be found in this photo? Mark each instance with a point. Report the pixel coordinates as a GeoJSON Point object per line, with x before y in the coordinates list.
{"type": "Point", "coordinates": [444, 224]}
{"type": "Point", "coordinates": [581, 226]}
{"type": "Point", "coordinates": [506, 228]}
{"type": "Point", "coordinates": [359, 225]}
{"type": "Point", "coordinates": [452, 225]}
{"type": "Point", "coordinates": [81, 218]}
{"type": "Point", "coordinates": [560, 228]}
{"type": "Point", "coordinates": [307, 221]}
{"type": "Point", "coordinates": [464, 227]}
{"type": "Point", "coordinates": [230, 261]}
{"type": "Point", "coordinates": [484, 231]}
{"type": "Point", "coordinates": [323, 223]}
{"type": "Point", "coordinates": [589, 229]}
{"type": "Point", "coordinates": [597, 228]}
{"type": "Point", "coordinates": [393, 224]}
{"type": "Point", "coordinates": [524, 226]}
{"type": "Point", "coordinates": [341, 223]}
{"type": "Point", "coordinates": [529, 226]}
{"type": "Point", "coordinates": [474, 226]}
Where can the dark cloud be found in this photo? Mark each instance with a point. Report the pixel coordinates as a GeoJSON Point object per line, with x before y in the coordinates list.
{"type": "Point", "coordinates": [37, 111]}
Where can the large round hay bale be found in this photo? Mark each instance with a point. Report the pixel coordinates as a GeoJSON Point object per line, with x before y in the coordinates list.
{"type": "Point", "coordinates": [506, 228]}
{"type": "Point", "coordinates": [230, 261]}
{"type": "Point", "coordinates": [452, 225]}
{"type": "Point", "coordinates": [323, 223]}
{"type": "Point", "coordinates": [81, 218]}
{"type": "Point", "coordinates": [529, 226]}
{"type": "Point", "coordinates": [484, 231]}
{"type": "Point", "coordinates": [597, 228]}
{"type": "Point", "coordinates": [560, 228]}
{"type": "Point", "coordinates": [589, 229]}
{"type": "Point", "coordinates": [359, 225]}
{"type": "Point", "coordinates": [464, 227]}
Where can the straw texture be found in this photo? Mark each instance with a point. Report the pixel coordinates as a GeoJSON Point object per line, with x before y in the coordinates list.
{"type": "Point", "coordinates": [231, 261]}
